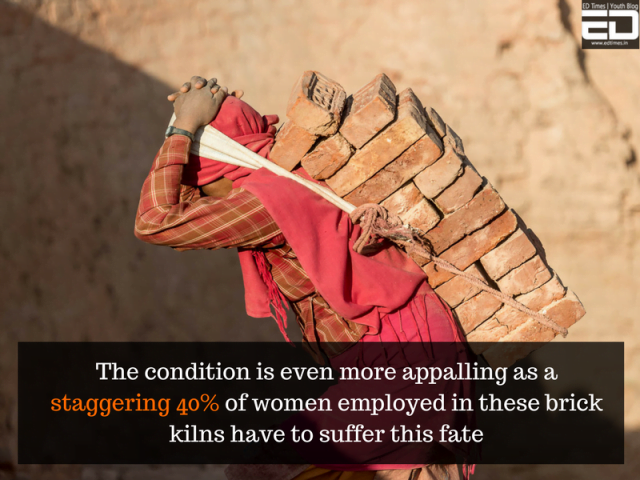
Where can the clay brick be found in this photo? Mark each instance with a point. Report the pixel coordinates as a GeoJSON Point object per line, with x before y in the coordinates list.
{"type": "Point", "coordinates": [484, 207]}
{"type": "Point", "coordinates": [472, 248]}
{"type": "Point", "coordinates": [549, 293]}
{"type": "Point", "coordinates": [369, 110]}
{"type": "Point", "coordinates": [408, 127]}
{"type": "Point", "coordinates": [409, 204]}
{"type": "Point", "coordinates": [565, 312]}
{"type": "Point", "coordinates": [460, 192]}
{"type": "Point", "coordinates": [526, 277]}
{"type": "Point", "coordinates": [486, 334]}
{"type": "Point", "coordinates": [457, 290]}
{"type": "Point", "coordinates": [292, 142]}
{"type": "Point", "coordinates": [508, 319]}
{"type": "Point", "coordinates": [327, 157]}
{"type": "Point", "coordinates": [436, 121]}
{"type": "Point", "coordinates": [316, 104]}
{"type": "Point", "coordinates": [516, 250]}
{"type": "Point", "coordinates": [476, 310]}
{"type": "Point", "coordinates": [455, 140]}
{"type": "Point", "coordinates": [541, 297]}
{"type": "Point", "coordinates": [434, 179]}
{"type": "Point", "coordinates": [415, 159]}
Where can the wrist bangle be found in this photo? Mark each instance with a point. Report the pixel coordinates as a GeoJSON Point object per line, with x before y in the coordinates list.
{"type": "Point", "coordinates": [178, 131]}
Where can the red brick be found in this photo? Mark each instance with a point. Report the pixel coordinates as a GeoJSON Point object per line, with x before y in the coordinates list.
{"type": "Point", "coordinates": [415, 159]}
{"type": "Point", "coordinates": [455, 140]}
{"type": "Point", "coordinates": [526, 277]}
{"type": "Point", "coordinates": [457, 290]}
{"type": "Point", "coordinates": [434, 179]}
{"type": "Point", "coordinates": [541, 297]}
{"type": "Point", "coordinates": [486, 334]}
{"type": "Point", "coordinates": [513, 318]}
{"type": "Point", "coordinates": [460, 192]}
{"type": "Point", "coordinates": [476, 310]}
{"type": "Point", "coordinates": [292, 142]}
{"type": "Point", "coordinates": [565, 312]}
{"type": "Point", "coordinates": [508, 319]}
{"type": "Point", "coordinates": [327, 157]}
{"type": "Point", "coordinates": [316, 104]}
{"type": "Point", "coordinates": [516, 250]}
{"type": "Point", "coordinates": [472, 248]}
{"type": "Point", "coordinates": [408, 127]}
{"type": "Point", "coordinates": [409, 204]}
{"type": "Point", "coordinates": [369, 110]}
{"type": "Point", "coordinates": [436, 122]}
{"type": "Point", "coordinates": [484, 207]}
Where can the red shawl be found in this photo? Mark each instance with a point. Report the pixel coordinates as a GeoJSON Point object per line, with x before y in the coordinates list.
{"type": "Point", "coordinates": [357, 287]}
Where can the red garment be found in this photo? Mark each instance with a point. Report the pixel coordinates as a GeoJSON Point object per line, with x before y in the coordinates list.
{"type": "Point", "coordinates": [360, 288]}
{"type": "Point", "coordinates": [320, 233]}
{"type": "Point", "coordinates": [239, 121]}
{"type": "Point", "coordinates": [421, 334]}
{"type": "Point", "coordinates": [178, 216]}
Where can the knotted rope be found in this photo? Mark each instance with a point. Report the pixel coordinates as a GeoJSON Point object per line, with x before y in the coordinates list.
{"type": "Point", "coordinates": [376, 222]}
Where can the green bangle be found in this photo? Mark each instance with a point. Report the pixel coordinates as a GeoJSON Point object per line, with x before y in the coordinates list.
{"type": "Point", "coordinates": [178, 131]}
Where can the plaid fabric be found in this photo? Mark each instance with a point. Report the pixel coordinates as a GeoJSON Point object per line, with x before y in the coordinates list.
{"type": "Point", "coordinates": [180, 217]}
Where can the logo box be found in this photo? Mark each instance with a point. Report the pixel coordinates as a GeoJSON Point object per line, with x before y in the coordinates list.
{"type": "Point", "coordinates": [610, 25]}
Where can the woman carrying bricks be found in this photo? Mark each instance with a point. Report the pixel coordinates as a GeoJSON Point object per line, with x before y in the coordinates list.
{"type": "Point", "coordinates": [295, 249]}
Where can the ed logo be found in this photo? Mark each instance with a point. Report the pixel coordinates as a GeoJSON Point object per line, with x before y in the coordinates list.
{"type": "Point", "coordinates": [610, 25]}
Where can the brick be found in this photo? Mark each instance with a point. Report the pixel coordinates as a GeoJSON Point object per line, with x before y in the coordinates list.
{"type": "Point", "coordinates": [541, 297]}
{"type": "Point", "coordinates": [526, 277]}
{"type": "Point", "coordinates": [508, 319]}
{"type": "Point", "coordinates": [457, 290]}
{"type": "Point", "coordinates": [408, 127]}
{"type": "Point", "coordinates": [327, 157]}
{"type": "Point", "coordinates": [415, 159]}
{"type": "Point", "coordinates": [409, 204]}
{"type": "Point", "coordinates": [292, 142]}
{"type": "Point", "coordinates": [476, 310]}
{"type": "Point", "coordinates": [316, 104]}
{"type": "Point", "coordinates": [419, 259]}
{"type": "Point", "coordinates": [369, 110]}
{"type": "Point", "coordinates": [434, 179]}
{"type": "Point", "coordinates": [472, 248]}
{"type": "Point", "coordinates": [455, 140]}
{"type": "Point", "coordinates": [436, 122]}
{"type": "Point", "coordinates": [513, 318]}
{"type": "Point", "coordinates": [460, 192]}
{"type": "Point", "coordinates": [565, 312]}
{"type": "Point", "coordinates": [486, 334]}
{"type": "Point", "coordinates": [483, 208]}
{"type": "Point", "coordinates": [516, 250]}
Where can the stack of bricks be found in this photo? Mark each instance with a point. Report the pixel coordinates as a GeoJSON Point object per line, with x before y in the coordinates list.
{"type": "Point", "coordinates": [379, 146]}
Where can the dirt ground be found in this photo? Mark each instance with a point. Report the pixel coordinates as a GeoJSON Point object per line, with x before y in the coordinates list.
{"type": "Point", "coordinates": [553, 127]}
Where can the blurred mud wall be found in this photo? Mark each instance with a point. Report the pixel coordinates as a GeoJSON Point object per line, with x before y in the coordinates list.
{"type": "Point", "coordinates": [83, 110]}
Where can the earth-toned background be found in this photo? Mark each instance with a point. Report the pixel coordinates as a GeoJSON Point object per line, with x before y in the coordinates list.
{"type": "Point", "coordinates": [556, 129]}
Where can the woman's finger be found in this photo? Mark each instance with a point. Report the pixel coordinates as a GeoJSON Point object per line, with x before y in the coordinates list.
{"type": "Point", "coordinates": [186, 86]}
{"type": "Point", "coordinates": [237, 93]}
{"type": "Point", "coordinates": [198, 82]}
{"type": "Point", "coordinates": [173, 96]}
